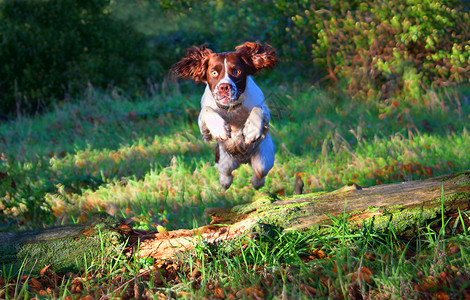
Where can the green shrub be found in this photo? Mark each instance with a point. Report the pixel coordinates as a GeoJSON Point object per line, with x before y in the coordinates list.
{"type": "Point", "coordinates": [51, 49]}
{"type": "Point", "coordinates": [385, 49]}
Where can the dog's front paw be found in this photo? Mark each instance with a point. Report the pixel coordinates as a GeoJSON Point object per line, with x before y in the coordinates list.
{"type": "Point", "coordinates": [222, 133]}
{"type": "Point", "coordinates": [218, 128]}
{"type": "Point", "coordinates": [252, 132]}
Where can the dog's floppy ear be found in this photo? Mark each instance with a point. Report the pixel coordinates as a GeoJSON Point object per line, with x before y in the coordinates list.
{"type": "Point", "coordinates": [258, 56]}
{"type": "Point", "coordinates": [194, 64]}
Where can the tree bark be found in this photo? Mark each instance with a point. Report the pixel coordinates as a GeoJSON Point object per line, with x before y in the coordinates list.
{"type": "Point", "coordinates": [403, 208]}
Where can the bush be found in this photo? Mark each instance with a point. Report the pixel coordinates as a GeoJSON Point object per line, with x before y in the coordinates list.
{"type": "Point", "coordinates": [385, 49]}
{"type": "Point", "coordinates": [51, 49]}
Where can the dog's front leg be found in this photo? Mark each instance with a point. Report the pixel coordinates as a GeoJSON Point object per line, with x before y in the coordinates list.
{"type": "Point", "coordinates": [212, 125]}
{"type": "Point", "coordinates": [257, 124]}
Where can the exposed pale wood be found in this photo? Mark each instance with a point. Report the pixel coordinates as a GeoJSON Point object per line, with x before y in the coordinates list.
{"type": "Point", "coordinates": [163, 246]}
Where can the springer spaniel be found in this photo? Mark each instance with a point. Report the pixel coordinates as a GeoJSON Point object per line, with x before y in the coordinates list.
{"type": "Point", "coordinates": [233, 111]}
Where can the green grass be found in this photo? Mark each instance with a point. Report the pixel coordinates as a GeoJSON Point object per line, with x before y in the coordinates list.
{"type": "Point", "coordinates": [144, 158]}
{"type": "Point", "coordinates": [147, 154]}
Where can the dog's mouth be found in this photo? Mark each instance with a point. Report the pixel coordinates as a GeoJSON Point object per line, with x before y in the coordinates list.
{"type": "Point", "coordinates": [226, 96]}
{"type": "Point", "coordinates": [227, 102]}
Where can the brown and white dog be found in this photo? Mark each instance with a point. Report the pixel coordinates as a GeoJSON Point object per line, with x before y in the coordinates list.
{"type": "Point", "coordinates": [233, 111]}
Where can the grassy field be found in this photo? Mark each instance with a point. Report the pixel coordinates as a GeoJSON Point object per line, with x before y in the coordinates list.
{"type": "Point", "coordinates": [144, 159]}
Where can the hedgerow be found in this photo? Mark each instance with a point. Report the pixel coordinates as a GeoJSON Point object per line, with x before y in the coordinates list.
{"type": "Point", "coordinates": [385, 49]}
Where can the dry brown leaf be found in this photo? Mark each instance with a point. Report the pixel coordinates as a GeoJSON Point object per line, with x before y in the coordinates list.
{"type": "Point", "coordinates": [365, 274]}
{"type": "Point", "coordinates": [308, 290]}
{"type": "Point", "coordinates": [137, 292]}
{"type": "Point", "coordinates": [250, 293]}
{"type": "Point", "coordinates": [77, 286]}
{"type": "Point", "coordinates": [428, 284]}
{"type": "Point", "coordinates": [454, 249]}
{"type": "Point", "coordinates": [441, 295]}
{"type": "Point", "coordinates": [35, 284]}
{"type": "Point", "coordinates": [219, 292]}
{"type": "Point", "coordinates": [184, 295]}
{"type": "Point", "coordinates": [318, 254]}
{"type": "Point", "coordinates": [44, 270]}
{"type": "Point", "coordinates": [196, 273]}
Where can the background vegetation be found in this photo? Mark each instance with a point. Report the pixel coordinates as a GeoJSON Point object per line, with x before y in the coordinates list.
{"type": "Point", "coordinates": [379, 51]}
{"type": "Point", "coordinates": [367, 92]}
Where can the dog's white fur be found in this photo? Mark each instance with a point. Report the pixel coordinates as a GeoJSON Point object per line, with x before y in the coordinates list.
{"type": "Point", "coordinates": [218, 122]}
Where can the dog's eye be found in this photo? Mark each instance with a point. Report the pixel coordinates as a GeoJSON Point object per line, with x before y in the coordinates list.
{"type": "Point", "coordinates": [214, 73]}
{"type": "Point", "coordinates": [236, 72]}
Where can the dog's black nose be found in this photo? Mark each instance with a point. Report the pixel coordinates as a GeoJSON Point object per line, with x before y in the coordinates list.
{"type": "Point", "coordinates": [224, 89]}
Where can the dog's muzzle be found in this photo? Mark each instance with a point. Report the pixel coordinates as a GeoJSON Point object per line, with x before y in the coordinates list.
{"type": "Point", "coordinates": [226, 96]}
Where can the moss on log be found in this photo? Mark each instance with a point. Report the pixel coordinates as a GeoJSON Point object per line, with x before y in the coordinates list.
{"type": "Point", "coordinates": [404, 207]}
{"type": "Point", "coordinates": [65, 248]}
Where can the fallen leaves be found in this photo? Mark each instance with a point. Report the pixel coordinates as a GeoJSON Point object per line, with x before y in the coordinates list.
{"type": "Point", "coordinates": [308, 290]}
{"type": "Point", "coordinates": [363, 274]}
{"type": "Point", "coordinates": [158, 280]}
{"type": "Point", "coordinates": [314, 254]}
{"type": "Point", "coordinates": [35, 285]}
{"type": "Point", "coordinates": [44, 270]}
{"type": "Point", "coordinates": [250, 293]}
{"type": "Point", "coordinates": [438, 286]}
{"type": "Point", "coordinates": [403, 171]}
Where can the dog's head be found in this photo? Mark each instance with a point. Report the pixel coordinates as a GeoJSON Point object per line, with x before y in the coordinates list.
{"type": "Point", "coordinates": [226, 73]}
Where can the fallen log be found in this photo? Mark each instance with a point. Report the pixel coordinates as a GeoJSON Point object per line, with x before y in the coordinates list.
{"type": "Point", "coordinates": [65, 248]}
{"type": "Point", "coordinates": [401, 207]}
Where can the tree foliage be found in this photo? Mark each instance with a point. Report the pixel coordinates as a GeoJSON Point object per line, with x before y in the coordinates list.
{"type": "Point", "coordinates": [52, 49]}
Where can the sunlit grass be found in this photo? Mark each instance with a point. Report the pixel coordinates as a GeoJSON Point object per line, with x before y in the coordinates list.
{"type": "Point", "coordinates": [146, 156]}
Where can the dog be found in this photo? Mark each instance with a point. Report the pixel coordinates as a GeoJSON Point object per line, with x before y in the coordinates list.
{"type": "Point", "coordinates": [233, 110]}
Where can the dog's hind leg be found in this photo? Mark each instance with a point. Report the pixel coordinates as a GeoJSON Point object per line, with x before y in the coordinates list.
{"type": "Point", "coordinates": [262, 161]}
{"type": "Point", "coordinates": [225, 164]}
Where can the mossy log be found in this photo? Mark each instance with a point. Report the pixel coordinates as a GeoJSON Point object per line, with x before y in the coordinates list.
{"type": "Point", "coordinates": [65, 248]}
{"type": "Point", "coordinates": [402, 207]}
